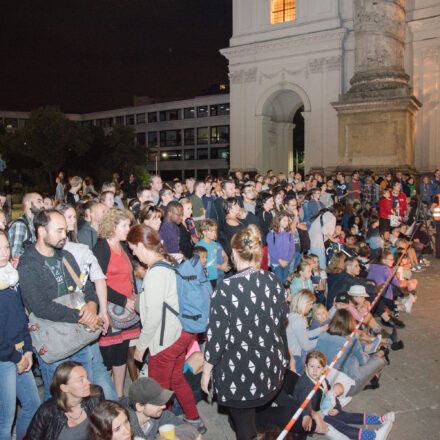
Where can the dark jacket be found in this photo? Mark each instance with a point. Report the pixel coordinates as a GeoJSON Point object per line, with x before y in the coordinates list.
{"type": "Point", "coordinates": [102, 254]}
{"type": "Point", "coordinates": [87, 235]}
{"type": "Point", "coordinates": [13, 326]}
{"type": "Point", "coordinates": [345, 281]}
{"type": "Point", "coordinates": [131, 189]}
{"type": "Point", "coordinates": [265, 219]}
{"type": "Point", "coordinates": [39, 287]}
{"type": "Point", "coordinates": [302, 390]}
{"type": "Point", "coordinates": [70, 198]}
{"type": "Point", "coordinates": [49, 420]}
{"type": "Point", "coordinates": [186, 244]}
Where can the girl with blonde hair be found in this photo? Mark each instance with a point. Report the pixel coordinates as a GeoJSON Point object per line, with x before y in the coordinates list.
{"type": "Point", "coordinates": [299, 338]}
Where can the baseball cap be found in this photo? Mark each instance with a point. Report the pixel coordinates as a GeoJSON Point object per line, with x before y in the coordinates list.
{"type": "Point", "coordinates": [342, 298]}
{"type": "Point", "coordinates": [147, 390]}
{"type": "Point", "coordinates": [357, 290]}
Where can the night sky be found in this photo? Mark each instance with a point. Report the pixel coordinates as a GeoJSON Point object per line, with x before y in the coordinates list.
{"type": "Point", "coordinates": [91, 55]}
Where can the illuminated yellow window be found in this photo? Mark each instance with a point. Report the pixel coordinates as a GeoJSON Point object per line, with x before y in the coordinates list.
{"type": "Point", "coordinates": [282, 10]}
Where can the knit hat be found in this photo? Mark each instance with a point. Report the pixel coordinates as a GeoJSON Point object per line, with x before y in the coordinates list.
{"type": "Point", "coordinates": [358, 290]}
{"type": "Point", "coordinates": [147, 390]}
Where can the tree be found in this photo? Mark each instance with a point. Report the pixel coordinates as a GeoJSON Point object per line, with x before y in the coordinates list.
{"type": "Point", "coordinates": [50, 138]}
{"type": "Point", "coordinates": [125, 155]}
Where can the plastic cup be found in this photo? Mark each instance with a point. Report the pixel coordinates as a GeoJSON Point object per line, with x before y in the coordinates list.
{"type": "Point", "coordinates": [168, 432]}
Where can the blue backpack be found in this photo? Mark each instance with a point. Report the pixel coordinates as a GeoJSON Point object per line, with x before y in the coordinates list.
{"type": "Point", "coordinates": [194, 292]}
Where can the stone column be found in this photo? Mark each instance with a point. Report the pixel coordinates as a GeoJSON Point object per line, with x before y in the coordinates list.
{"type": "Point", "coordinates": [376, 116]}
{"type": "Point", "coordinates": [379, 27]}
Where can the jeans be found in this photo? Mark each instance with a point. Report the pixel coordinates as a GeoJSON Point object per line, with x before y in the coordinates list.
{"type": "Point", "coordinates": [343, 420]}
{"type": "Point", "coordinates": [90, 358]}
{"type": "Point", "coordinates": [366, 373]}
{"type": "Point", "coordinates": [320, 253]}
{"type": "Point", "coordinates": [13, 386]}
{"type": "Point", "coordinates": [100, 375]}
{"type": "Point", "coordinates": [166, 368]}
{"type": "Point", "coordinates": [281, 272]}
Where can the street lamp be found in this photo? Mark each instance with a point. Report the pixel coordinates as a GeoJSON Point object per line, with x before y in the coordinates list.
{"type": "Point", "coordinates": [157, 156]}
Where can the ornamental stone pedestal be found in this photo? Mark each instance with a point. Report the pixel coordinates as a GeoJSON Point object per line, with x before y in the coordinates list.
{"type": "Point", "coordinates": [376, 117]}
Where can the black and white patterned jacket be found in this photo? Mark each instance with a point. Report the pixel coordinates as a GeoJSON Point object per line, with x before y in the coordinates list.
{"type": "Point", "coordinates": [246, 340]}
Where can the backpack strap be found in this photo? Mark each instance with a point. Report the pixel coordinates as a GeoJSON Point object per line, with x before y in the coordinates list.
{"type": "Point", "coordinates": [165, 306]}
{"type": "Point", "coordinates": [72, 273]}
{"type": "Point", "coordinates": [22, 220]}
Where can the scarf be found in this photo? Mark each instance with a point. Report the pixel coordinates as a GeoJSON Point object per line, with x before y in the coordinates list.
{"type": "Point", "coordinates": [8, 276]}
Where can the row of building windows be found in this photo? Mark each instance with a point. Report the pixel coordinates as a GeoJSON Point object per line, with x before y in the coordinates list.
{"type": "Point", "coordinates": [201, 111]}
{"type": "Point", "coordinates": [190, 154]}
{"type": "Point", "coordinates": [191, 136]}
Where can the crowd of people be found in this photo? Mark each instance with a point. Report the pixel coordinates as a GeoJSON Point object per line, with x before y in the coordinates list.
{"type": "Point", "coordinates": [292, 264]}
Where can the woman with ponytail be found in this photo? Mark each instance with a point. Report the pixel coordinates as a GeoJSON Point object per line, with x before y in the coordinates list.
{"type": "Point", "coordinates": [246, 347]}
{"type": "Point", "coordinates": [167, 346]}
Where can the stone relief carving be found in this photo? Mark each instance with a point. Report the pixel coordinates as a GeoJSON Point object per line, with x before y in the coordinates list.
{"type": "Point", "coordinates": [286, 43]}
{"type": "Point", "coordinates": [282, 73]}
{"type": "Point", "coordinates": [243, 75]}
{"type": "Point", "coordinates": [332, 63]}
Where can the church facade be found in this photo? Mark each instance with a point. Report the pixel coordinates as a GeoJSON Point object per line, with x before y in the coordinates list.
{"type": "Point", "coordinates": [289, 56]}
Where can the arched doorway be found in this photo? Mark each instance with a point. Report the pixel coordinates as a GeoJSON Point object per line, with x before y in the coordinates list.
{"type": "Point", "coordinates": [282, 116]}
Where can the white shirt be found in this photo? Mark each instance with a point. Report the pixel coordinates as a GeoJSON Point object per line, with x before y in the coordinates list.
{"type": "Point", "coordinates": [318, 234]}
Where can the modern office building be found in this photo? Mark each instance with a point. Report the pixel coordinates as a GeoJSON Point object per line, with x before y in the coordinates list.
{"type": "Point", "coordinates": [185, 138]}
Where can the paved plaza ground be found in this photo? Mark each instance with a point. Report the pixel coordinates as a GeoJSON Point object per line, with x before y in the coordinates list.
{"type": "Point", "coordinates": [410, 386]}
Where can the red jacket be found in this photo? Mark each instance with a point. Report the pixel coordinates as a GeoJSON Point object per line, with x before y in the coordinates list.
{"type": "Point", "coordinates": [385, 207]}
{"type": "Point", "coordinates": [403, 207]}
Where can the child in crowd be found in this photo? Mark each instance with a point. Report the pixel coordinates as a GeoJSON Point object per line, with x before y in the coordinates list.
{"type": "Point", "coordinates": [404, 274]}
{"type": "Point", "coordinates": [339, 234]}
{"type": "Point", "coordinates": [299, 339]}
{"type": "Point", "coordinates": [337, 418]}
{"type": "Point", "coordinates": [280, 245]}
{"type": "Point", "coordinates": [208, 234]}
{"type": "Point", "coordinates": [319, 279]}
{"type": "Point", "coordinates": [301, 278]}
{"type": "Point", "coordinates": [202, 252]}
{"type": "Point", "coordinates": [319, 316]}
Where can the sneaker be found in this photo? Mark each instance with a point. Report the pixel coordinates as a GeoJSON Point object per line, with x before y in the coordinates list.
{"type": "Point", "coordinates": [426, 262]}
{"type": "Point", "coordinates": [386, 323]}
{"type": "Point", "coordinates": [397, 346]}
{"type": "Point", "coordinates": [197, 423]}
{"type": "Point", "coordinates": [398, 322]}
{"type": "Point", "coordinates": [384, 430]}
{"type": "Point", "coordinates": [408, 302]}
{"type": "Point", "coordinates": [389, 416]}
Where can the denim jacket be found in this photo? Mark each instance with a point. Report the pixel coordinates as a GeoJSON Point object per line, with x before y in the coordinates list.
{"type": "Point", "coordinates": [353, 357]}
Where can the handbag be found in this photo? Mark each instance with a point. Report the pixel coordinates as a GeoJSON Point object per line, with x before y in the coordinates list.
{"type": "Point", "coordinates": [395, 220]}
{"type": "Point", "coordinates": [55, 341]}
{"type": "Point", "coordinates": [120, 317]}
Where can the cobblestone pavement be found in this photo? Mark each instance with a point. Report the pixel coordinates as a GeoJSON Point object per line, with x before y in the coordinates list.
{"type": "Point", "coordinates": [410, 386]}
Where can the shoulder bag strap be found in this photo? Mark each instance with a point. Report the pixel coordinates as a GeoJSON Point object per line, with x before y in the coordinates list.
{"type": "Point", "coordinates": [72, 274]}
